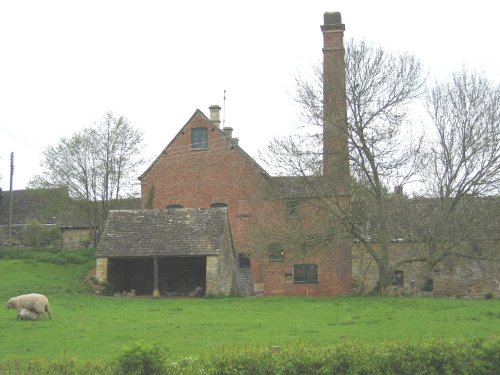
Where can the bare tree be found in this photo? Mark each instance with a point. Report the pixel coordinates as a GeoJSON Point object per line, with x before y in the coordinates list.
{"type": "Point", "coordinates": [380, 87]}
{"type": "Point", "coordinates": [466, 154]}
{"type": "Point", "coordinates": [96, 165]}
{"type": "Point", "coordinates": [464, 165]}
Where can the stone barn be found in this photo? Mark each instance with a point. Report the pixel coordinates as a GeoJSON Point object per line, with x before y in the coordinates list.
{"type": "Point", "coordinates": [172, 252]}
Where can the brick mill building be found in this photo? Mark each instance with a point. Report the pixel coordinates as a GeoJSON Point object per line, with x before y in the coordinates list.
{"type": "Point", "coordinates": [203, 169]}
{"type": "Point", "coordinates": [213, 221]}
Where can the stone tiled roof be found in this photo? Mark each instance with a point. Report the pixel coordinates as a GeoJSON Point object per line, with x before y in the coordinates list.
{"type": "Point", "coordinates": [295, 187]}
{"type": "Point", "coordinates": [74, 217]}
{"type": "Point", "coordinates": [32, 205]}
{"type": "Point", "coordinates": [175, 232]}
{"type": "Point", "coordinates": [25, 207]}
{"type": "Point", "coordinates": [414, 219]}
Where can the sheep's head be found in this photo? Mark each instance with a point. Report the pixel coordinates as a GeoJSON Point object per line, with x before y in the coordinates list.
{"type": "Point", "coordinates": [11, 304]}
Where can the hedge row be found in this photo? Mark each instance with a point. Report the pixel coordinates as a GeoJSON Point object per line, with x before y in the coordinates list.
{"type": "Point", "coordinates": [442, 356]}
{"type": "Point", "coordinates": [49, 256]}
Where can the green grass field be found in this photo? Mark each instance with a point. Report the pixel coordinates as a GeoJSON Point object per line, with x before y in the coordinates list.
{"type": "Point", "coordinates": [88, 326]}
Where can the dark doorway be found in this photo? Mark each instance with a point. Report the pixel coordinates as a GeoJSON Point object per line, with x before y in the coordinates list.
{"type": "Point", "coordinates": [127, 274]}
{"type": "Point", "coordinates": [182, 276]}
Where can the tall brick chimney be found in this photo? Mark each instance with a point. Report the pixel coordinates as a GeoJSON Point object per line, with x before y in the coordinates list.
{"type": "Point", "coordinates": [335, 141]}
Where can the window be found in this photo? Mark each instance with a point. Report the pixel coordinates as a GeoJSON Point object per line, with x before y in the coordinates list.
{"type": "Point", "coordinates": [305, 273]}
{"type": "Point", "coordinates": [428, 286]}
{"type": "Point", "coordinates": [244, 261]}
{"type": "Point", "coordinates": [218, 205]}
{"type": "Point", "coordinates": [174, 206]}
{"type": "Point", "coordinates": [199, 138]}
{"type": "Point", "coordinates": [276, 252]}
{"type": "Point", "coordinates": [292, 208]}
{"type": "Point", "coordinates": [397, 278]}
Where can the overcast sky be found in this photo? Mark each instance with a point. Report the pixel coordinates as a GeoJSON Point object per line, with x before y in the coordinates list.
{"type": "Point", "coordinates": [64, 64]}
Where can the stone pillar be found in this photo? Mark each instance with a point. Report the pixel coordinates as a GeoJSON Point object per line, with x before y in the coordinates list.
{"type": "Point", "coordinates": [212, 269]}
{"type": "Point", "coordinates": [101, 272]}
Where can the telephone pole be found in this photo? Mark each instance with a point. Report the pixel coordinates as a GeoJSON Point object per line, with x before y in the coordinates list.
{"type": "Point", "coordinates": [11, 194]}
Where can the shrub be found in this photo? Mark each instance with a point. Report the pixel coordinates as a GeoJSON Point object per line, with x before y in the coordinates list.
{"type": "Point", "coordinates": [36, 234]}
{"type": "Point", "coordinates": [142, 359]}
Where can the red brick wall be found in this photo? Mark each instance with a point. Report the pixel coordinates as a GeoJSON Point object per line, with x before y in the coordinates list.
{"type": "Point", "coordinates": [223, 174]}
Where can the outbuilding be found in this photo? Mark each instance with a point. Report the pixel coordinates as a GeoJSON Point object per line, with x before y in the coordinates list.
{"type": "Point", "coordinates": [172, 252]}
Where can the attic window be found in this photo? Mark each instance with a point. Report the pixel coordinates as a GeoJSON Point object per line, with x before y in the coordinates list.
{"type": "Point", "coordinates": [199, 138]}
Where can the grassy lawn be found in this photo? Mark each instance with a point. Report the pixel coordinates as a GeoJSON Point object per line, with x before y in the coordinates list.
{"type": "Point", "coordinates": [88, 326]}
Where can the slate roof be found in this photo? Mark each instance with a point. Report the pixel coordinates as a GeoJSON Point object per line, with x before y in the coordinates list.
{"type": "Point", "coordinates": [174, 232]}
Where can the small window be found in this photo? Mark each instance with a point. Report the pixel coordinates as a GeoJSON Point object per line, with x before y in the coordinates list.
{"type": "Point", "coordinates": [174, 206]}
{"type": "Point", "coordinates": [397, 279]}
{"type": "Point", "coordinates": [305, 273]}
{"type": "Point", "coordinates": [292, 208]}
{"type": "Point", "coordinates": [199, 138]}
{"type": "Point", "coordinates": [218, 205]}
{"type": "Point", "coordinates": [276, 252]}
{"type": "Point", "coordinates": [428, 286]}
{"type": "Point", "coordinates": [244, 261]}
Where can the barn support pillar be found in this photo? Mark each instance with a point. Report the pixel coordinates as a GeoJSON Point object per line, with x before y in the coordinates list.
{"type": "Point", "coordinates": [101, 271]}
{"type": "Point", "coordinates": [156, 290]}
{"type": "Point", "coordinates": [212, 269]}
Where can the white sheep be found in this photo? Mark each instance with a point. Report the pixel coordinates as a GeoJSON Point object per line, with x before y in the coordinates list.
{"type": "Point", "coordinates": [36, 303]}
{"type": "Point", "coordinates": [25, 314]}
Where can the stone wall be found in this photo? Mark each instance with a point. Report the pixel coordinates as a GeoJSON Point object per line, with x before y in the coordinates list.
{"type": "Point", "coordinates": [101, 272]}
{"type": "Point", "coordinates": [457, 276]}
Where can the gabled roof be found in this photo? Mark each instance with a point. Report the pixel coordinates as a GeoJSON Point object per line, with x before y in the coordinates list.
{"type": "Point", "coordinates": [174, 232]}
{"type": "Point", "coordinates": [216, 128]}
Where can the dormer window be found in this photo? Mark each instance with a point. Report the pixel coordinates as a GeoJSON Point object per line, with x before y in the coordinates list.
{"type": "Point", "coordinates": [199, 138]}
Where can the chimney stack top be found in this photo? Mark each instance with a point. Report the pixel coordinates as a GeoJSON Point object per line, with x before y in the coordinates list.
{"type": "Point", "coordinates": [333, 21]}
{"type": "Point", "coordinates": [228, 131]}
{"type": "Point", "coordinates": [215, 114]}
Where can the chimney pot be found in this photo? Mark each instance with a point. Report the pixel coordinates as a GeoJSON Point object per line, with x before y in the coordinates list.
{"type": "Point", "coordinates": [228, 132]}
{"type": "Point", "coordinates": [215, 115]}
{"type": "Point", "coordinates": [333, 18]}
